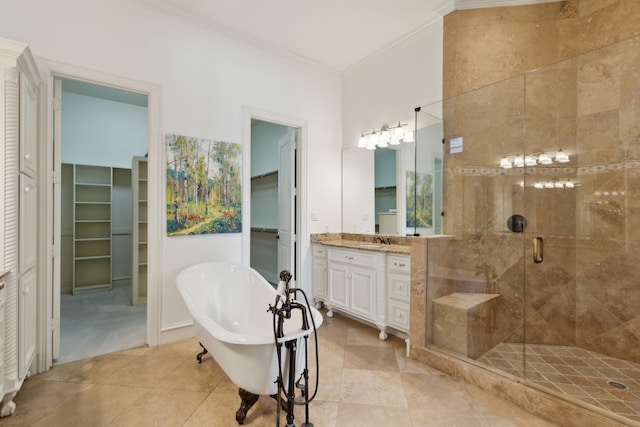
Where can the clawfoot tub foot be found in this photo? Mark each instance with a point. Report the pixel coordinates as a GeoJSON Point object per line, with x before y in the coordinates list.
{"type": "Point", "coordinates": [248, 400]}
{"type": "Point", "coordinates": [202, 353]}
{"type": "Point", "coordinates": [329, 311]}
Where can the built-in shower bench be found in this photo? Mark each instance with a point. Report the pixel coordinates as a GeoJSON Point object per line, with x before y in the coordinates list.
{"type": "Point", "coordinates": [465, 323]}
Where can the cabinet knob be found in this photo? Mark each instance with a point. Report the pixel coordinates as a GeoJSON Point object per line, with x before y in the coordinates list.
{"type": "Point", "coordinates": [25, 291]}
{"type": "Point", "coordinates": [27, 156]}
{"type": "Point", "coordinates": [27, 189]}
{"type": "Point", "coordinates": [399, 264]}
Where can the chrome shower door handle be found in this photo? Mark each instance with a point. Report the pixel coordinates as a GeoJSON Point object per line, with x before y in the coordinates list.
{"type": "Point", "coordinates": [537, 250]}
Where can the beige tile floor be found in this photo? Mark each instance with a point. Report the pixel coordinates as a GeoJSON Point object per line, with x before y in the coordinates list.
{"type": "Point", "coordinates": [363, 382]}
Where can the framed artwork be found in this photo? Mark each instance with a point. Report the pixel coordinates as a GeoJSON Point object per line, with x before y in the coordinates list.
{"type": "Point", "coordinates": [419, 200]}
{"type": "Point", "coordinates": [204, 191]}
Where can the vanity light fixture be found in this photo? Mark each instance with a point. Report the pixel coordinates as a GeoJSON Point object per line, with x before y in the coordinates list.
{"type": "Point", "coordinates": [518, 161]}
{"type": "Point", "coordinates": [554, 183]}
{"type": "Point", "coordinates": [533, 159]}
{"type": "Point", "coordinates": [561, 156]}
{"type": "Point", "coordinates": [505, 163]}
{"type": "Point", "coordinates": [545, 159]}
{"type": "Point", "coordinates": [384, 137]}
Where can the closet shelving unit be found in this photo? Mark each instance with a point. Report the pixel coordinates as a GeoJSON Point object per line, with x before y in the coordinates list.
{"type": "Point", "coordinates": [139, 187]}
{"type": "Point", "coordinates": [264, 225]}
{"type": "Point", "coordinates": [92, 246]}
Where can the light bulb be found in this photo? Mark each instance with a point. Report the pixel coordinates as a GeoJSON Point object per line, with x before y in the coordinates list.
{"type": "Point", "coordinates": [544, 159]}
{"type": "Point", "coordinates": [562, 157]}
{"type": "Point", "coordinates": [362, 142]}
{"type": "Point", "coordinates": [383, 140]}
{"type": "Point", "coordinates": [530, 161]}
{"type": "Point", "coordinates": [518, 161]}
{"type": "Point", "coordinates": [398, 132]}
{"type": "Point", "coordinates": [408, 137]}
{"type": "Point", "coordinates": [538, 185]}
{"type": "Point", "coordinates": [505, 163]}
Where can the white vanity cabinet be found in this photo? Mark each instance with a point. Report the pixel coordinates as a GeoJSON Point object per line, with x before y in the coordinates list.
{"type": "Point", "coordinates": [319, 274]}
{"type": "Point", "coordinates": [356, 285]}
{"type": "Point", "coordinates": [398, 291]}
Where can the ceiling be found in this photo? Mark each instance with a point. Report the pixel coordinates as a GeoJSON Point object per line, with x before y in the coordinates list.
{"type": "Point", "coordinates": [334, 34]}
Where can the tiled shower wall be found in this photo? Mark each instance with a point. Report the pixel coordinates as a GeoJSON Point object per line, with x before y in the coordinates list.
{"type": "Point", "coordinates": [530, 79]}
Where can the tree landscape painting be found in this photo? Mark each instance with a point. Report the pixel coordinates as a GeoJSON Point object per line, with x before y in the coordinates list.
{"type": "Point", "coordinates": [420, 203]}
{"type": "Point", "coordinates": [204, 192]}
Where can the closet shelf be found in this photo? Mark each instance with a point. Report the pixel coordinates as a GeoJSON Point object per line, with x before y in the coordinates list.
{"type": "Point", "coordinates": [92, 184]}
{"type": "Point", "coordinates": [264, 230]}
{"type": "Point", "coordinates": [92, 239]}
{"type": "Point", "coordinates": [86, 258]}
{"type": "Point", "coordinates": [78, 202]}
{"type": "Point", "coordinates": [264, 175]}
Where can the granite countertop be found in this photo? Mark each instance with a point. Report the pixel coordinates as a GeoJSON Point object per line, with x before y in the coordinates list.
{"type": "Point", "coordinates": [399, 245]}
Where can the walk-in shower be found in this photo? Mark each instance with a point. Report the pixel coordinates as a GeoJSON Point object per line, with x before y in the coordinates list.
{"type": "Point", "coordinates": [560, 148]}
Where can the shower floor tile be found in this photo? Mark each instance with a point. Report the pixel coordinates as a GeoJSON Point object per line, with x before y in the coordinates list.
{"type": "Point", "coordinates": [576, 372]}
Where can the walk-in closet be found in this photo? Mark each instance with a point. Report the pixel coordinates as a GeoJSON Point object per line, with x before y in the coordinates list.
{"type": "Point", "coordinates": [103, 219]}
{"type": "Point", "coordinates": [272, 151]}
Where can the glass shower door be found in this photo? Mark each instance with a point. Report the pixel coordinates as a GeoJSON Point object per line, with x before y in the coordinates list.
{"type": "Point", "coordinates": [582, 293]}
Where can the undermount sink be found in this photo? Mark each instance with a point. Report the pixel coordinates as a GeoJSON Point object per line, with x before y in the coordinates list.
{"type": "Point", "coordinates": [369, 245]}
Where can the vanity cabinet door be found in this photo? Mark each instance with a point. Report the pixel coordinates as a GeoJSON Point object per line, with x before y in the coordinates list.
{"type": "Point", "coordinates": [363, 293]}
{"type": "Point", "coordinates": [319, 275]}
{"type": "Point", "coordinates": [338, 285]}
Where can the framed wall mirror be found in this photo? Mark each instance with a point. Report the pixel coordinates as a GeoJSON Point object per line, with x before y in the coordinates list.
{"type": "Point", "coordinates": [397, 190]}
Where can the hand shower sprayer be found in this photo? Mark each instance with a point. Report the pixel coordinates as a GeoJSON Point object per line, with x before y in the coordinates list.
{"type": "Point", "coordinates": [283, 308]}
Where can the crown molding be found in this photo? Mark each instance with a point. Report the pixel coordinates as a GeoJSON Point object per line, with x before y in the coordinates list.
{"type": "Point", "coordinates": [434, 24]}
{"type": "Point", "coordinates": [222, 30]}
{"type": "Point", "coordinates": [445, 7]}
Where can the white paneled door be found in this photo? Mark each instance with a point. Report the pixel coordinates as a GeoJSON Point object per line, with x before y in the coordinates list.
{"type": "Point", "coordinates": [287, 203]}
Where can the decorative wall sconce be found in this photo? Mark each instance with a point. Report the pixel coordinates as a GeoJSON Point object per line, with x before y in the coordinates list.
{"type": "Point", "coordinates": [554, 183]}
{"type": "Point", "coordinates": [384, 137]}
{"type": "Point", "coordinates": [546, 158]}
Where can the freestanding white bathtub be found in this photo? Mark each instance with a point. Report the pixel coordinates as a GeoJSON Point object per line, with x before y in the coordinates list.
{"type": "Point", "coordinates": [229, 304]}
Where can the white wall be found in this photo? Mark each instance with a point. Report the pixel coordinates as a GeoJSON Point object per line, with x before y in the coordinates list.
{"type": "Point", "coordinates": [206, 80]}
{"type": "Point", "coordinates": [386, 88]}
{"type": "Point", "coordinates": [101, 132]}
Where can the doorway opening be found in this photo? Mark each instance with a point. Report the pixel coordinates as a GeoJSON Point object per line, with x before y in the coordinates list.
{"type": "Point", "coordinates": [274, 199]}
{"type": "Point", "coordinates": [102, 134]}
